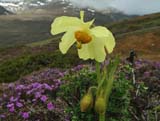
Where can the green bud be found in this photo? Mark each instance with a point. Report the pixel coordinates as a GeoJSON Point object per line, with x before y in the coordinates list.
{"type": "Point", "coordinates": [86, 102]}
{"type": "Point", "coordinates": [100, 105]}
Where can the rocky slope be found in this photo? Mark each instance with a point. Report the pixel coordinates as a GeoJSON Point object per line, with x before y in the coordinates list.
{"type": "Point", "coordinates": [3, 11]}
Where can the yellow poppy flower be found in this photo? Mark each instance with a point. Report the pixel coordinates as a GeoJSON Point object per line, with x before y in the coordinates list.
{"type": "Point", "coordinates": [91, 41]}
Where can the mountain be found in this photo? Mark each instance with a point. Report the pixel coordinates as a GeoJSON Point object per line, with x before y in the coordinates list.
{"type": "Point", "coordinates": [33, 24]}
{"type": "Point", "coordinates": [62, 7]}
{"type": "Point", "coordinates": [3, 11]}
{"type": "Point", "coordinates": [66, 8]}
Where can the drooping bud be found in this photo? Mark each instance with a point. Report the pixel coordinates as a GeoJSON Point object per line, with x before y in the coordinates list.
{"type": "Point", "coordinates": [100, 105]}
{"type": "Point", "coordinates": [86, 102]}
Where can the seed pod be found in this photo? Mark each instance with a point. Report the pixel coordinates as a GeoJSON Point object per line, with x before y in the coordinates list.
{"type": "Point", "coordinates": [86, 102]}
{"type": "Point", "coordinates": [100, 105]}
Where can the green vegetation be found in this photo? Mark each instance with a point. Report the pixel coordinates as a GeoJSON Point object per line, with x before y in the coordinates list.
{"type": "Point", "coordinates": [148, 22]}
{"type": "Point", "coordinates": [13, 69]}
{"type": "Point", "coordinates": [15, 32]}
{"type": "Point", "coordinates": [76, 86]}
{"type": "Point", "coordinates": [53, 40]}
{"type": "Point", "coordinates": [40, 43]}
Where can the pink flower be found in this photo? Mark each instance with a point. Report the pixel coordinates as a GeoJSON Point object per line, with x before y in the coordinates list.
{"type": "Point", "coordinates": [47, 87]}
{"type": "Point", "coordinates": [18, 104]}
{"type": "Point", "coordinates": [12, 109]}
{"type": "Point", "coordinates": [10, 105]}
{"type": "Point", "coordinates": [37, 95]}
{"type": "Point", "coordinates": [13, 99]}
{"type": "Point", "coordinates": [50, 106]}
{"type": "Point", "coordinates": [25, 115]}
{"type": "Point", "coordinates": [2, 116]}
{"type": "Point", "coordinates": [44, 98]}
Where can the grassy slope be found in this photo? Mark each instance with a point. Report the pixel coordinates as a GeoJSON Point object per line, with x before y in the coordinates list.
{"type": "Point", "coordinates": [142, 23]}
{"type": "Point", "coordinates": [141, 34]}
{"type": "Point", "coordinates": [15, 31]}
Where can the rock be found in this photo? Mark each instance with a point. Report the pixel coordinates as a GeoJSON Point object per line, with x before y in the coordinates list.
{"type": "Point", "coordinates": [3, 11]}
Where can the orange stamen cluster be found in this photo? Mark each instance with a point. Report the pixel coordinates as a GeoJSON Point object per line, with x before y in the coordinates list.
{"type": "Point", "coordinates": [82, 37]}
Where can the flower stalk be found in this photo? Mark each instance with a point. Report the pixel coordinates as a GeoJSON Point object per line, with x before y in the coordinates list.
{"type": "Point", "coordinates": [104, 88]}
{"type": "Point", "coordinates": [93, 42]}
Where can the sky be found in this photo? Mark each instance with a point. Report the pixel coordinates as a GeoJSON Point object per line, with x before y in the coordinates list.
{"type": "Point", "coordinates": [131, 7]}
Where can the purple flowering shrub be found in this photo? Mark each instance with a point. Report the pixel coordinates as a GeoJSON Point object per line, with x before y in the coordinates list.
{"type": "Point", "coordinates": [54, 94]}
{"type": "Point", "coordinates": [147, 94]}
{"type": "Point", "coordinates": [149, 73]}
{"type": "Point", "coordinates": [33, 98]}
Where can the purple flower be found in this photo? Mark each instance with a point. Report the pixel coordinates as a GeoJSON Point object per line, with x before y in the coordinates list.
{"type": "Point", "coordinates": [2, 116]}
{"type": "Point", "coordinates": [34, 100]}
{"type": "Point", "coordinates": [4, 95]}
{"type": "Point", "coordinates": [37, 95]}
{"type": "Point", "coordinates": [36, 85]}
{"type": "Point", "coordinates": [10, 105]}
{"type": "Point", "coordinates": [146, 74]}
{"type": "Point", "coordinates": [44, 98]}
{"type": "Point", "coordinates": [12, 109]}
{"type": "Point", "coordinates": [29, 92]}
{"type": "Point", "coordinates": [11, 85]}
{"type": "Point", "coordinates": [18, 104]}
{"type": "Point", "coordinates": [19, 87]}
{"type": "Point", "coordinates": [12, 99]}
{"type": "Point", "coordinates": [47, 87]}
{"type": "Point", "coordinates": [50, 106]}
{"type": "Point", "coordinates": [19, 93]}
{"type": "Point", "coordinates": [61, 74]}
{"type": "Point", "coordinates": [77, 68]}
{"type": "Point", "coordinates": [25, 115]}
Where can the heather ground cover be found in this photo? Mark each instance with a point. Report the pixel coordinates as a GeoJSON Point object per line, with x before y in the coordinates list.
{"type": "Point", "coordinates": [53, 94]}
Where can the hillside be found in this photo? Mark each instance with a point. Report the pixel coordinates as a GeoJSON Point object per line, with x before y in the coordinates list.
{"type": "Point", "coordinates": [141, 33]}
{"type": "Point", "coordinates": [139, 24]}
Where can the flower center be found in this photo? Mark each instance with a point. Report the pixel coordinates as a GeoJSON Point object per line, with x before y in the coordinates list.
{"type": "Point", "coordinates": [82, 37]}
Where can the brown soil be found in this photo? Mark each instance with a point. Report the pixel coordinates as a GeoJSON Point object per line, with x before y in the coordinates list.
{"type": "Point", "coordinates": [146, 45]}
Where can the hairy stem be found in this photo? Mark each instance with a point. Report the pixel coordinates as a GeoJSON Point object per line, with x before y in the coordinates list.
{"type": "Point", "coordinates": [98, 72]}
{"type": "Point", "coordinates": [101, 117]}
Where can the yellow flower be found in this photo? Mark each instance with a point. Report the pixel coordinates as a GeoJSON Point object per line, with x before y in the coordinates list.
{"type": "Point", "coordinates": [91, 42]}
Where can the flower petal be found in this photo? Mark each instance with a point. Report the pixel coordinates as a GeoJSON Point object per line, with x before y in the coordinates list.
{"type": "Point", "coordinates": [89, 23]}
{"type": "Point", "coordinates": [93, 50]}
{"type": "Point", "coordinates": [86, 25]}
{"type": "Point", "coordinates": [82, 15]}
{"type": "Point", "coordinates": [63, 23]}
{"type": "Point", "coordinates": [109, 40]}
{"type": "Point", "coordinates": [100, 31]}
{"type": "Point", "coordinates": [85, 52]}
{"type": "Point", "coordinates": [68, 40]}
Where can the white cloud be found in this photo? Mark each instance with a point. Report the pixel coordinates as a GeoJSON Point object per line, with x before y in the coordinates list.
{"type": "Point", "coordinates": [127, 6]}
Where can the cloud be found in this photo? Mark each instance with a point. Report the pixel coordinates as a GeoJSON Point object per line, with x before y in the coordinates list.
{"type": "Point", "coordinates": [139, 7]}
